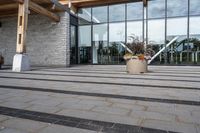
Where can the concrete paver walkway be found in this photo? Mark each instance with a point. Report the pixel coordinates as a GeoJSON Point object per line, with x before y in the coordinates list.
{"type": "Point", "coordinates": [87, 99]}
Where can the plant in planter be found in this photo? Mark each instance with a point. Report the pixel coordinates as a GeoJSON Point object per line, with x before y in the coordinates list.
{"type": "Point", "coordinates": [136, 57]}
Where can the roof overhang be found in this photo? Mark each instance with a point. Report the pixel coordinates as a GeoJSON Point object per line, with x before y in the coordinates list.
{"type": "Point", "coordinates": [10, 7]}
{"type": "Point", "coordinates": [89, 3]}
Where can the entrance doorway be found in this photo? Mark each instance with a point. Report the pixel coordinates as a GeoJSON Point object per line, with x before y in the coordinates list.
{"type": "Point", "coordinates": [73, 45]}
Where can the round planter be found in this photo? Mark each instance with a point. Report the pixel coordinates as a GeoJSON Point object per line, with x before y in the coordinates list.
{"type": "Point", "coordinates": [136, 66]}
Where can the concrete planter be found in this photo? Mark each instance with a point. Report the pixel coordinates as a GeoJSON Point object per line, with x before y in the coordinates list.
{"type": "Point", "coordinates": [136, 66]}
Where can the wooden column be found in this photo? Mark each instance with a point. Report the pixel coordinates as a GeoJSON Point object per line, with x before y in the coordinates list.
{"type": "Point", "coordinates": [22, 26]}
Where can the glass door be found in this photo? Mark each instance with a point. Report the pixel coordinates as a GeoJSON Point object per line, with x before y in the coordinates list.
{"type": "Point", "coordinates": [73, 45]}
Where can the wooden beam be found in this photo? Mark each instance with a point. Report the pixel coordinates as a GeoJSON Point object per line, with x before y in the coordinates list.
{"type": "Point", "coordinates": [72, 7]}
{"type": "Point", "coordinates": [22, 27]}
{"type": "Point", "coordinates": [19, 1]}
{"type": "Point", "coordinates": [39, 9]}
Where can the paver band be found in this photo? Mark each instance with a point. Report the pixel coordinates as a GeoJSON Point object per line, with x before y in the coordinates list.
{"type": "Point", "coordinates": [106, 127]}
{"type": "Point", "coordinates": [105, 83]}
{"type": "Point", "coordinates": [92, 76]}
{"type": "Point", "coordinates": [171, 101]}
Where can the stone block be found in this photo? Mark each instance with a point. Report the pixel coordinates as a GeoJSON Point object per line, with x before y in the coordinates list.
{"type": "Point", "coordinates": [21, 63]}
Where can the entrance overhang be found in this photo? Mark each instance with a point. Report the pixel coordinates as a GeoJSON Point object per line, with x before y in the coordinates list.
{"type": "Point", "coordinates": [22, 9]}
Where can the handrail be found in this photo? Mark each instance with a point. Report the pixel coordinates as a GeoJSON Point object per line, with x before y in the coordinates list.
{"type": "Point", "coordinates": [159, 52]}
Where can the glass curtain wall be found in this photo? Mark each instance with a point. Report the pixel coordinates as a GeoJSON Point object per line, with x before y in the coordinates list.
{"type": "Point", "coordinates": [84, 36]}
{"type": "Point", "coordinates": [100, 35]}
{"type": "Point", "coordinates": [156, 28]}
{"type": "Point", "coordinates": [116, 33]}
{"type": "Point", "coordinates": [102, 30]}
{"type": "Point", "coordinates": [177, 23]}
{"type": "Point", "coordinates": [194, 34]}
{"type": "Point", "coordinates": [134, 21]}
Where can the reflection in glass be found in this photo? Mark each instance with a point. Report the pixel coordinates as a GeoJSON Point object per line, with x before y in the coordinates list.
{"type": "Point", "coordinates": [84, 15]}
{"type": "Point", "coordinates": [100, 14]}
{"type": "Point", "coordinates": [194, 7]}
{"type": "Point", "coordinates": [73, 46]}
{"type": "Point", "coordinates": [177, 8]}
{"type": "Point", "coordinates": [116, 37]}
{"type": "Point", "coordinates": [84, 44]}
{"type": "Point", "coordinates": [117, 13]}
{"type": "Point", "coordinates": [194, 40]}
{"type": "Point", "coordinates": [100, 44]}
{"type": "Point", "coordinates": [135, 11]}
{"type": "Point", "coordinates": [156, 9]}
{"type": "Point", "coordinates": [156, 37]}
{"type": "Point", "coordinates": [177, 52]}
{"type": "Point", "coordinates": [134, 28]}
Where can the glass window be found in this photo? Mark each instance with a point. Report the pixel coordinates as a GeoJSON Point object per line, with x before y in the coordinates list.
{"type": "Point", "coordinates": [177, 8]}
{"type": "Point", "coordinates": [194, 7]}
{"type": "Point", "coordinates": [117, 13]}
{"type": "Point", "coordinates": [177, 51]}
{"type": "Point", "coordinates": [156, 31]}
{"type": "Point", "coordinates": [117, 32]}
{"type": "Point", "coordinates": [84, 43]}
{"type": "Point", "coordinates": [84, 36]}
{"type": "Point", "coordinates": [194, 41]}
{"type": "Point", "coordinates": [100, 44]}
{"type": "Point", "coordinates": [135, 11]}
{"type": "Point", "coordinates": [156, 9]}
{"type": "Point", "coordinates": [156, 38]}
{"type": "Point", "coordinates": [134, 28]}
{"type": "Point", "coordinates": [84, 15]}
{"type": "Point", "coordinates": [100, 14]}
{"type": "Point", "coordinates": [116, 37]}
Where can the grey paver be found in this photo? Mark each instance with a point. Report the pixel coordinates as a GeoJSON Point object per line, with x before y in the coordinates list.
{"type": "Point", "coordinates": [170, 126]}
{"type": "Point", "coordinates": [24, 125]}
{"type": "Point", "coordinates": [159, 115]}
{"type": "Point", "coordinates": [64, 129]}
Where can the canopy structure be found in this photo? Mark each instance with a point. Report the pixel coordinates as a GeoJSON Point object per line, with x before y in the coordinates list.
{"type": "Point", "coordinates": [22, 9]}
{"type": "Point", "coordinates": [47, 8]}
{"type": "Point", "coordinates": [75, 4]}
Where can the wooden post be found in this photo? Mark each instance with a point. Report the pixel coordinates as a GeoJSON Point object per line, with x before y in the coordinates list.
{"type": "Point", "coordinates": [22, 26]}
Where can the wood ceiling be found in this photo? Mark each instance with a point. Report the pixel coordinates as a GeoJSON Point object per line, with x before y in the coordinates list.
{"type": "Point", "coordinates": [88, 3]}
{"type": "Point", "coordinates": [10, 7]}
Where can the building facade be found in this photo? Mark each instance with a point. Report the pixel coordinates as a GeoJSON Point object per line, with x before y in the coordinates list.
{"type": "Point", "coordinates": [102, 29]}
{"type": "Point", "coordinates": [47, 42]}
{"type": "Point", "coordinates": [94, 34]}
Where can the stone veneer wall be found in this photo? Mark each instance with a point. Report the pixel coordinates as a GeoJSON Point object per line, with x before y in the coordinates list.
{"type": "Point", "coordinates": [47, 42]}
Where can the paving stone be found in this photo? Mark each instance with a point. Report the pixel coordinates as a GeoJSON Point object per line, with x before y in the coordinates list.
{"type": "Point", "coordinates": [101, 116]}
{"type": "Point", "coordinates": [95, 102]}
{"type": "Point", "coordinates": [152, 115]}
{"type": "Point", "coordinates": [3, 118]}
{"type": "Point", "coordinates": [111, 110]}
{"type": "Point", "coordinates": [45, 109]}
{"type": "Point", "coordinates": [129, 106]}
{"type": "Point", "coordinates": [19, 105]}
{"type": "Point", "coordinates": [10, 130]}
{"type": "Point", "coordinates": [169, 126]}
{"type": "Point", "coordinates": [64, 129]}
{"type": "Point", "coordinates": [76, 106]}
{"type": "Point", "coordinates": [25, 125]}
